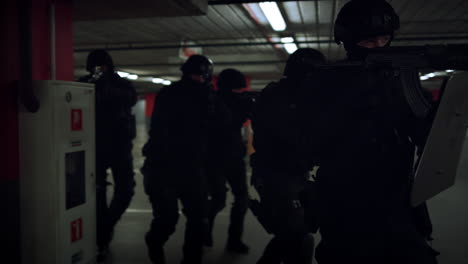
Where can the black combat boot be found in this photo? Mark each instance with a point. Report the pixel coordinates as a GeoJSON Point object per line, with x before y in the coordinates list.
{"type": "Point", "coordinates": [102, 253]}
{"type": "Point", "coordinates": [156, 255]}
{"type": "Point", "coordinates": [208, 238]}
{"type": "Point", "coordinates": [103, 244]}
{"type": "Point", "coordinates": [155, 252]}
{"type": "Point", "coordinates": [237, 246]}
{"type": "Point", "coordinates": [273, 253]}
{"type": "Point", "coordinates": [192, 254]}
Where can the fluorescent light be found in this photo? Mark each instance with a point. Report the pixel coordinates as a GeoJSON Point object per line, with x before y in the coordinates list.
{"type": "Point", "coordinates": [450, 70]}
{"type": "Point", "coordinates": [166, 82]}
{"type": "Point", "coordinates": [275, 39]}
{"type": "Point", "coordinates": [257, 13]}
{"type": "Point", "coordinates": [132, 77]}
{"type": "Point", "coordinates": [290, 47]}
{"type": "Point", "coordinates": [423, 78]}
{"type": "Point", "coordinates": [287, 40]}
{"type": "Point", "coordinates": [157, 80]}
{"type": "Point", "coordinates": [123, 74]}
{"type": "Point", "coordinates": [430, 75]}
{"type": "Point", "coordinates": [273, 14]}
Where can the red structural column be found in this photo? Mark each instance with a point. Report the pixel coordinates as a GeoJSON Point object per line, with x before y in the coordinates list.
{"type": "Point", "coordinates": [9, 185]}
{"type": "Point", "coordinates": [41, 66]}
{"type": "Point", "coordinates": [64, 40]}
{"type": "Point", "coordinates": [8, 102]}
{"type": "Point", "coordinates": [10, 67]}
{"type": "Point", "coordinates": [41, 39]}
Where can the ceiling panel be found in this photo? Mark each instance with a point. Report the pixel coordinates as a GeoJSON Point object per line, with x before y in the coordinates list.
{"type": "Point", "coordinates": [293, 12]}
{"type": "Point", "coordinates": [309, 12]}
{"type": "Point", "coordinates": [325, 11]}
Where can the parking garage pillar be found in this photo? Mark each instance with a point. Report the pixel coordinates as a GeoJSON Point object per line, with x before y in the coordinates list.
{"type": "Point", "coordinates": [12, 69]}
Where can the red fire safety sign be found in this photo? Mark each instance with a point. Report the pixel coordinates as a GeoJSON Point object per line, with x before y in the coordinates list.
{"type": "Point", "coordinates": [76, 119]}
{"type": "Point", "coordinates": [76, 230]}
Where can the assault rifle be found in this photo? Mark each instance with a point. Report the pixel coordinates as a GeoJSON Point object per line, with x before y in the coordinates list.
{"type": "Point", "coordinates": [388, 79]}
{"type": "Point", "coordinates": [407, 60]}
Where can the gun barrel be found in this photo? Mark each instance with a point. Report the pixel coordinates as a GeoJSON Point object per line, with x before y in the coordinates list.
{"type": "Point", "coordinates": [450, 56]}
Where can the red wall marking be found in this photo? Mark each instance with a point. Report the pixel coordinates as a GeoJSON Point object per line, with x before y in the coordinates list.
{"type": "Point", "coordinates": [149, 100]}
{"type": "Point", "coordinates": [76, 230]}
{"type": "Point", "coordinates": [76, 119]}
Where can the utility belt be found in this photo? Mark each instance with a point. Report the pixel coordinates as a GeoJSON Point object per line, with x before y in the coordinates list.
{"type": "Point", "coordinates": [308, 201]}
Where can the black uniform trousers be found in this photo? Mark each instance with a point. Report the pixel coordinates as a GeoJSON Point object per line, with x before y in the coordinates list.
{"type": "Point", "coordinates": [234, 172]}
{"type": "Point", "coordinates": [367, 223]}
{"type": "Point", "coordinates": [281, 201]}
{"type": "Point", "coordinates": [403, 246]}
{"type": "Point", "coordinates": [119, 159]}
{"type": "Point", "coordinates": [164, 192]}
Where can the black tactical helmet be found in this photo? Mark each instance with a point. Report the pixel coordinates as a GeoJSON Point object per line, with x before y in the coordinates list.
{"type": "Point", "coordinates": [361, 19]}
{"type": "Point", "coordinates": [99, 57]}
{"type": "Point", "coordinates": [230, 79]}
{"type": "Point", "coordinates": [298, 63]}
{"type": "Point", "coordinates": [198, 64]}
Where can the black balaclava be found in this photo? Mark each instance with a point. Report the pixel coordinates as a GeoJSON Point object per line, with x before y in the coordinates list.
{"type": "Point", "coordinates": [99, 57]}
{"type": "Point", "coordinates": [362, 19]}
{"type": "Point", "coordinates": [200, 65]}
{"type": "Point", "coordinates": [230, 79]}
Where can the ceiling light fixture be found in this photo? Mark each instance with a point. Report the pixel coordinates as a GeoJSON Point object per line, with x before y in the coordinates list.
{"type": "Point", "coordinates": [166, 82]}
{"type": "Point", "coordinates": [289, 44]}
{"type": "Point", "coordinates": [287, 40]}
{"type": "Point", "coordinates": [157, 80]}
{"type": "Point", "coordinates": [123, 74]}
{"type": "Point", "coordinates": [290, 47]}
{"type": "Point", "coordinates": [132, 77]}
{"type": "Point", "coordinates": [273, 14]}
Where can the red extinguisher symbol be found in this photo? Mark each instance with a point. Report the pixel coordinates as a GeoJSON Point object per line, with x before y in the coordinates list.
{"type": "Point", "coordinates": [76, 230]}
{"type": "Point", "coordinates": [76, 119]}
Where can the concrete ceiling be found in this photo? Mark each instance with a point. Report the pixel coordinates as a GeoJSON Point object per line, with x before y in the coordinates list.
{"type": "Point", "coordinates": [233, 36]}
{"type": "Point", "coordinates": [124, 9]}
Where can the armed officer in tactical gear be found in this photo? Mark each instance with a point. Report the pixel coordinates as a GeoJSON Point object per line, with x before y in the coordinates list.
{"type": "Point", "coordinates": [115, 130]}
{"type": "Point", "coordinates": [227, 161]}
{"type": "Point", "coordinates": [185, 118]}
{"type": "Point", "coordinates": [279, 170]}
{"type": "Point", "coordinates": [365, 175]}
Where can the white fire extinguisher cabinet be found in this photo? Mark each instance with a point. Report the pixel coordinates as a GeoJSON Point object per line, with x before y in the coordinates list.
{"type": "Point", "coordinates": [57, 168]}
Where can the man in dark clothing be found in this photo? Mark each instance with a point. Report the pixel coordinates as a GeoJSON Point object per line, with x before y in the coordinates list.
{"type": "Point", "coordinates": [186, 116]}
{"type": "Point", "coordinates": [115, 130]}
{"type": "Point", "coordinates": [279, 171]}
{"type": "Point", "coordinates": [365, 175]}
{"type": "Point", "coordinates": [227, 163]}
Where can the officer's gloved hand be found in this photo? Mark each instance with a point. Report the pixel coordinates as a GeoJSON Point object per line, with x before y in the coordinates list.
{"type": "Point", "coordinates": [96, 74]}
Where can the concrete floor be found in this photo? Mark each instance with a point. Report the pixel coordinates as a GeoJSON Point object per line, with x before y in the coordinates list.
{"type": "Point", "coordinates": [449, 212]}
